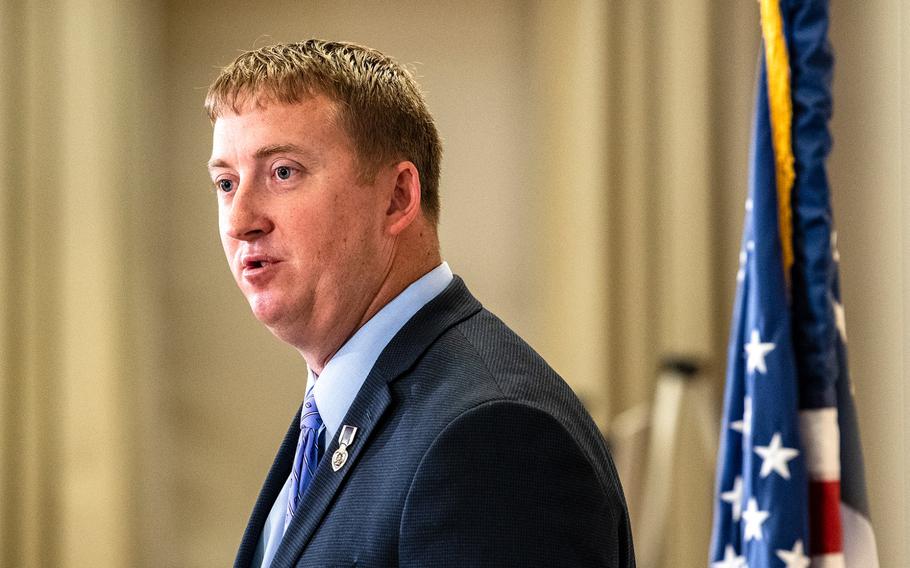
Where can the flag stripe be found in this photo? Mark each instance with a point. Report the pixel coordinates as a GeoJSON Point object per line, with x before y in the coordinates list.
{"type": "Point", "coordinates": [859, 546]}
{"type": "Point", "coordinates": [825, 533]}
{"type": "Point", "coordinates": [821, 439]}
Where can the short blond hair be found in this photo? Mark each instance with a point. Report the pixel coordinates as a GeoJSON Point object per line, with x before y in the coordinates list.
{"type": "Point", "coordinates": [380, 104]}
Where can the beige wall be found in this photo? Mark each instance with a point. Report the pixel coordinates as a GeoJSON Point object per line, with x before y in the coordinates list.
{"type": "Point", "coordinates": [593, 181]}
{"type": "Point", "coordinates": [871, 193]}
{"type": "Point", "coordinates": [78, 179]}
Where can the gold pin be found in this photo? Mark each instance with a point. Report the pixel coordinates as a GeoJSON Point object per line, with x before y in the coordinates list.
{"type": "Point", "coordinates": [345, 439]}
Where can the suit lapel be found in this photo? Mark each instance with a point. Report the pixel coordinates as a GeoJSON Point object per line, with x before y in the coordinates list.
{"type": "Point", "coordinates": [453, 305]}
{"type": "Point", "coordinates": [364, 414]}
{"type": "Point", "coordinates": [275, 480]}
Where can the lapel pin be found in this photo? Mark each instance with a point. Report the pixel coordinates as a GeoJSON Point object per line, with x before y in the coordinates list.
{"type": "Point", "coordinates": [345, 439]}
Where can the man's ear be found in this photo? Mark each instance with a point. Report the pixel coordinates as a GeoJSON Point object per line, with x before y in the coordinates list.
{"type": "Point", "coordinates": [404, 203]}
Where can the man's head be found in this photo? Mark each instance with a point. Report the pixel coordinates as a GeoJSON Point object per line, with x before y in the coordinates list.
{"type": "Point", "coordinates": [380, 105]}
{"type": "Point", "coordinates": [323, 208]}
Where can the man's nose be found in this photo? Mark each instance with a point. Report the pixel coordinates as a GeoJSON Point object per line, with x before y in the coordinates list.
{"type": "Point", "coordinates": [247, 218]}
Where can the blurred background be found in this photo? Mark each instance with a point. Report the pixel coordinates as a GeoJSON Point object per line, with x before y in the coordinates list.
{"type": "Point", "coordinates": [593, 186]}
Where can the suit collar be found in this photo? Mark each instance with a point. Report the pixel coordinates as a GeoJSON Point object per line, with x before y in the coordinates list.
{"type": "Point", "coordinates": [450, 307]}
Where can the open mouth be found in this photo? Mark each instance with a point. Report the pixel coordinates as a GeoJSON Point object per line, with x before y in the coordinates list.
{"type": "Point", "coordinates": [256, 262]}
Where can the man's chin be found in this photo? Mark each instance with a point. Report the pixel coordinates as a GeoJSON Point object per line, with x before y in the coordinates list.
{"type": "Point", "coordinates": [267, 310]}
{"type": "Point", "coordinates": [281, 318]}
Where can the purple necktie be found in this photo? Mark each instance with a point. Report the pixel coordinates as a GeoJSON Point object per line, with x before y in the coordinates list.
{"type": "Point", "coordinates": [307, 455]}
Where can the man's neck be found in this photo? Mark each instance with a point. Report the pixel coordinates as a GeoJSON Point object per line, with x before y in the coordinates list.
{"type": "Point", "coordinates": [391, 286]}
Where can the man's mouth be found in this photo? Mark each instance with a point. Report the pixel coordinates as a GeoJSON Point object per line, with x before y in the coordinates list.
{"type": "Point", "coordinates": [254, 262]}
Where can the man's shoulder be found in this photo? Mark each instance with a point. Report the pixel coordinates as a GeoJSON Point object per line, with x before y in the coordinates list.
{"type": "Point", "coordinates": [509, 442]}
{"type": "Point", "coordinates": [481, 360]}
{"type": "Point", "coordinates": [491, 351]}
{"type": "Point", "coordinates": [456, 355]}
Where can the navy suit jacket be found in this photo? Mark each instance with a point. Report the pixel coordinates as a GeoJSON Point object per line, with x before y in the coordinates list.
{"type": "Point", "coordinates": [470, 451]}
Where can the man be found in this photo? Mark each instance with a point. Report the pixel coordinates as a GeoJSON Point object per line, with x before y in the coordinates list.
{"type": "Point", "coordinates": [430, 434]}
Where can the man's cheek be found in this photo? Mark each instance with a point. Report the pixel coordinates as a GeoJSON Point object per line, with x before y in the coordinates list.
{"type": "Point", "coordinates": [226, 241]}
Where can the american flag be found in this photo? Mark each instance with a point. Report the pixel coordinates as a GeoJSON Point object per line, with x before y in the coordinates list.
{"type": "Point", "coordinates": [790, 486]}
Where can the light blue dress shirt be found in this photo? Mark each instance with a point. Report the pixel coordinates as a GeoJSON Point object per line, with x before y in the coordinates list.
{"type": "Point", "coordinates": [341, 379]}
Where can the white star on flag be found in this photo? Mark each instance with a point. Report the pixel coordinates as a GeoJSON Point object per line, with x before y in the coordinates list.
{"type": "Point", "coordinates": [741, 273]}
{"type": "Point", "coordinates": [840, 320]}
{"type": "Point", "coordinates": [835, 255]}
{"type": "Point", "coordinates": [754, 519]}
{"type": "Point", "coordinates": [744, 426]}
{"type": "Point", "coordinates": [735, 498]}
{"type": "Point", "coordinates": [730, 560]}
{"type": "Point", "coordinates": [757, 352]}
{"type": "Point", "coordinates": [794, 558]}
{"type": "Point", "coordinates": [775, 457]}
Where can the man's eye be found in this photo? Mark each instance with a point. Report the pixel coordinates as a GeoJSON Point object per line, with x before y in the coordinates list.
{"type": "Point", "coordinates": [225, 185]}
{"type": "Point", "coordinates": [283, 172]}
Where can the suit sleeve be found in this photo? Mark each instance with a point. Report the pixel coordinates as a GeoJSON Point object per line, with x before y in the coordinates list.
{"type": "Point", "coordinates": [506, 485]}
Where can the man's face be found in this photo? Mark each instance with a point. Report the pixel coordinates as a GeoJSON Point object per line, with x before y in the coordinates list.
{"type": "Point", "coordinates": [303, 238]}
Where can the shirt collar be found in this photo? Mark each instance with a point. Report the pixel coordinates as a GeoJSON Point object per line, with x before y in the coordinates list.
{"type": "Point", "coordinates": [346, 371]}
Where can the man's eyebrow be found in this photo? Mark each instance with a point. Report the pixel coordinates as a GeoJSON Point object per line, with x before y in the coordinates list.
{"type": "Point", "coordinates": [273, 149]}
{"type": "Point", "coordinates": [212, 164]}
{"type": "Point", "coordinates": [261, 153]}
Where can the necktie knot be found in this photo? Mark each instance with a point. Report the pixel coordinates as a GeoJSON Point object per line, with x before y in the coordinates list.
{"type": "Point", "coordinates": [309, 414]}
